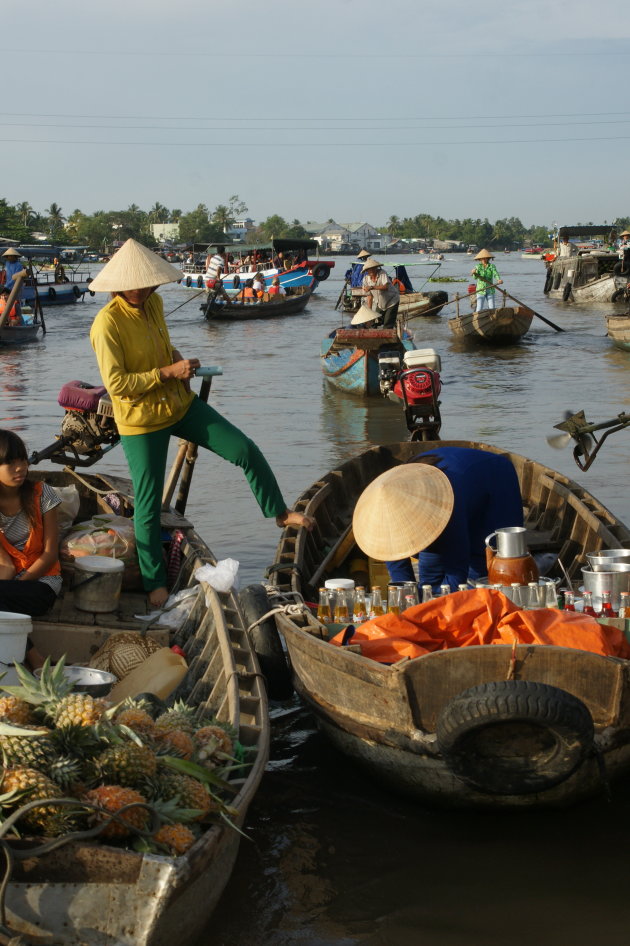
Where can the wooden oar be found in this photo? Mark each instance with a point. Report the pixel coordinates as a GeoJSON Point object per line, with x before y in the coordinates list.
{"type": "Point", "coordinates": [518, 302]}
{"type": "Point", "coordinates": [17, 282]}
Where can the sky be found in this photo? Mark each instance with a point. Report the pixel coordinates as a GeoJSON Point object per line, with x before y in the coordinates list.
{"type": "Point", "coordinates": [354, 110]}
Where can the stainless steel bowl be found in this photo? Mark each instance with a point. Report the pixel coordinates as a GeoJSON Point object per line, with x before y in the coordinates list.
{"type": "Point", "coordinates": [599, 561]}
{"type": "Point", "coordinates": [86, 680]}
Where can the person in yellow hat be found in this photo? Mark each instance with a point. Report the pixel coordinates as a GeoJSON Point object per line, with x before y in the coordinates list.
{"type": "Point", "coordinates": [148, 382]}
{"type": "Point", "coordinates": [442, 504]}
{"type": "Point", "coordinates": [487, 276]}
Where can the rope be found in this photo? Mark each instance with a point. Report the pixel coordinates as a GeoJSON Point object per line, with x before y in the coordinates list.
{"type": "Point", "coordinates": [93, 489]}
{"type": "Point", "coordinates": [291, 610]}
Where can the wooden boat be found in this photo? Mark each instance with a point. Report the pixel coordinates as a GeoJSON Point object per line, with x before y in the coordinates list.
{"type": "Point", "coordinates": [618, 327]}
{"type": "Point", "coordinates": [385, 717]}
{"type": "Point", "coordinates": [267, 307]}
{"type": "Point", "coordinates": [19, 334]}
{"type": "Point", "coordinates": [350, 357]}
{"type": "Point", "coordinates": [588, 276]}
{"type": "Point", "coordinates": [91, 894]}
{"type": "Point", "coordinates": [411, 303]}
{"type": "Point", "coordinates": [501, 326]}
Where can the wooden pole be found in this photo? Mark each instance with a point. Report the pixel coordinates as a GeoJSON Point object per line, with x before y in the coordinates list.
{"type": "Point", "coordinates": [15, 291]}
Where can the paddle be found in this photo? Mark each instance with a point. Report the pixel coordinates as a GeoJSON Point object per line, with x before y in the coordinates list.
{"type": "Point", "coordinates": [17, 282]}
{"type": "Point", "coordinates": [518, 302]}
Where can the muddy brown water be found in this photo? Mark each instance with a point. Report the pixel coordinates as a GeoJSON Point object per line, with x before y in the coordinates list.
{"type": "Point", "coordinates": [332, 860]}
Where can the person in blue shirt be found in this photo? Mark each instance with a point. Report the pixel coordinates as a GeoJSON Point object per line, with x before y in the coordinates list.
{"type": "Point", "coordinates": [446, 522]}
{"type": "Point", "coordinates": [12, 266]}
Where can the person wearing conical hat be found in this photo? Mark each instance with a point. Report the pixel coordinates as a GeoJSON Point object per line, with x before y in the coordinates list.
{"type": "Point", "coordinates": [622, 268]}
{"type": "Point", "coordinates": [363, 255]}
{"type": "Point", "coordinates": [148, 382]}
{"type": "Point", "coordinates": [12, 266]}
{"type": "Point", "coordinates": [442, 505]}
{"type": "Point", "coordinates": [487, 276]}
{"type": "Point", "coordinates": [379, 293]}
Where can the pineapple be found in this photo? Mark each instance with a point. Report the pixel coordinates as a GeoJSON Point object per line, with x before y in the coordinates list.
{"type": "Point", "coordinates": [47, 820]}
{"type": "Point", "coordinates": [176, 837]}
{"type": "Point", "coordinates": [77, 709]}
{"type": "Point", "coordinates": [112, 798]}
{"type": "Point", "coordinates": [136, 719]}
{"type": "Point", "coordinates": [213, 739]}
{"type": "Point", "coordinates": [67, 773]}
{"type": "Point", "coordinates": [32, 748]}
{"type": "Point", "coordinates": [127, 765]}
{"type": "Point", "coordinates": [16, 710]}
{"type": "Point", "coordinates": [186, 791]}
{"type": "Point", "coordinates": [176, 742]}
{"type": "Point", "coordinates": [53, 696]}
{"type": "Point", "coordinates": [180, 716]}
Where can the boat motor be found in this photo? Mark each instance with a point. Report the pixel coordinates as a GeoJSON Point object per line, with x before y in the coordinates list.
{"type": "Point", "coordinates": [389, 366]}
{"type": "Point", "coordinates": [88, 429]}
{"type": "Point", "coordinates": [587, 444]}
{"type": "Point", "coordinates": [418, 386]}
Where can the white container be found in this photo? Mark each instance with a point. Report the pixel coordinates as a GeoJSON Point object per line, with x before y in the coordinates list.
{"type": "Point", "coordinates": [14, 629]}
{"type": "Point", "coordinates": [334, 584]}
{"type": "Point", "coordinates": [159, 674]}
{"type": "Point", "coordinates": [97, 583]}
{"type": "Point", "coordinates": [422, 358]}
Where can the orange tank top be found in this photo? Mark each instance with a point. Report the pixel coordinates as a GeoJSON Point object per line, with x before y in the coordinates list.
{"type": "Point", "coordinates": [34, 544]}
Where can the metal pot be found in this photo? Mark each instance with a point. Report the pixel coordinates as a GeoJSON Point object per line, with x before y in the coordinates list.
{"type": "Point", "coordinates": [599, 561]}
{"type": "Point", "coordinates": [615, 579]}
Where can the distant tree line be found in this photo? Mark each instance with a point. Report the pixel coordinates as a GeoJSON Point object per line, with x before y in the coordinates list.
{"type": "Point", "coordinates": [101, 229]}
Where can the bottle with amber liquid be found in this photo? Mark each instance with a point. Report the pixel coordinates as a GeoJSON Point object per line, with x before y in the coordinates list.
{"type": "Point", "coordinates": [360, 614]}
{"type": "Point", "coordinates": [323, 607]}
{"type": "Point", "coordinates": [377, 609]}
{"type": "Point", "coordinates": [342, 611]}
{"type": "Point", "coordinates": [393, 599]}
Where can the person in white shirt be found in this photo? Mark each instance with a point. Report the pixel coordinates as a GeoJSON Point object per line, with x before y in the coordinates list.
{"type": "Point", "coordinates": [567, 248]}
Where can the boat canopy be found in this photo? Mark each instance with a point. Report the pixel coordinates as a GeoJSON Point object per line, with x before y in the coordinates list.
{"type": "Point", "coordinates": [42, 251]}
{"type": "Point", "coordinates": [588, 231]}
{"type": "Point", "coordinates": [280, 245]}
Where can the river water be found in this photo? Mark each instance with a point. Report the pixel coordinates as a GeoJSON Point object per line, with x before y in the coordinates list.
{"type": "Point", "coordinates": [331, 860]}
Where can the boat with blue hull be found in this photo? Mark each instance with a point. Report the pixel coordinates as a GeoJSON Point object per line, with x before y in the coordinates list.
{"type": "Point", "coordinates": [47, 284]}
{"type": "Point", "coordinates": [350, 357]}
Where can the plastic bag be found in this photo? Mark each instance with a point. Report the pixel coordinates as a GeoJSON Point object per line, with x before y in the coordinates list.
{"type": "Point", "coordinates": [104, 534]}
{"type": "Point", "coordinates": [222, 577]}
{"type": "Point", "coordinates": [68, 509]}
{"type": "Point", "coordinates": [175, 611]}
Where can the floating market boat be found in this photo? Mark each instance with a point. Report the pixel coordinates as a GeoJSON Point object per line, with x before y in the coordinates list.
{"type": "Point", "coordinates": [618, 327]}
{"type": "Point", "coordinates": [266, 307]}
{"type": "Point", "coordinates": [351, 357]}
{"type": "Point", "coordinates": [393, 719]}
{"type": "Point", "coordinates": [502, 326]}
{"type": "Point", "coordinates": [248, 260]}
{"type": "Point", "coordinates": [20, 333]}
{"type": "Point", "coordinates": [412, 303]}
{"type": "Point", "coordinates": [588, 276]}
{"type": "Point", "coordinates": [91, 893]}
{"type": "Point", "coordinates": [47, 285]}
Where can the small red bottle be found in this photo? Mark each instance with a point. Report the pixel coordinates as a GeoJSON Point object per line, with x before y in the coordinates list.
{"type": "Point", "coordinates": [569, 601]}
{"type": "Point", "coordinates": [588, 604]}
{"type": "Point", "coordinates": [607, 608]}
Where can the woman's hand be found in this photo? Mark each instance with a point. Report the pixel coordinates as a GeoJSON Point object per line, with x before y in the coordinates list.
{"type": "Point", "coordinates": [182, 370]}
{"type": "Point", "coordinates": [296, 519]}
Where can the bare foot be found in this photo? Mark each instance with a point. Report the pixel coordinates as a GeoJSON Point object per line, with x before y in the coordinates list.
{"type": "Point", "coordinates": [296, 519]}
{"type": "Point", "coordinates": [158, 597]}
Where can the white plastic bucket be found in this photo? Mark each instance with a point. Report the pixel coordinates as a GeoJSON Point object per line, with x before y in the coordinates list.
{"type": "Point", "coordinates": [14, 629]}
{"type": "Point", "coordinates": [97, 583]}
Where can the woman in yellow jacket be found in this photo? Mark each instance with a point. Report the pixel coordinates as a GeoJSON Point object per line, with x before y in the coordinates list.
{"type": "Point", "coordinates": [149, 385]}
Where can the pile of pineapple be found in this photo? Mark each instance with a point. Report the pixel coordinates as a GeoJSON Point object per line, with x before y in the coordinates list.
{"type": "Point", "coordinates": [170, 766]}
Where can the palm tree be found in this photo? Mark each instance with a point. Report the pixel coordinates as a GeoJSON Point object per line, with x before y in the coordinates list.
{"type": "Point", "coordinates": [25, 212]}
{"type": "Point", "coordinates": [393, 225]}
{"type": "Point", "coordinates": [158, 213]}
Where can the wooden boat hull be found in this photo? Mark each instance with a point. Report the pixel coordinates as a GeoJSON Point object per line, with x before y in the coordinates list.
{"type": "Point", "coordinates": [497, 326]}
{"type": "Point", "coordinates": [411, 303]}
{"type": "Point", "coordinates": [350, 358]}
{"type": "Point", "coordinates": [385, 717]}
{"type": "Point", "coordinates": [90, 894]}
{"type": "Point", "coordinates": [618, 327]}
{"type": "Point", "coordinates": [585, 278]}
{"type": "Point", "coordinates": [261, 309]}
{"type": "Point", "coordinates": [18, 334]}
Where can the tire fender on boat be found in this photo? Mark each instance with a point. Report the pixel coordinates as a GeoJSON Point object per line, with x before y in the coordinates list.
{"type": "Point", "coordinates": [188, 281]}
{"type": "Point", "coordinates": [514, 737]}
{"type": "Point", "coordinates": [236, 281]}
{"type": "Point", "coordinates": [52, 294]}
{"type": "Point", "coordinates": [199, 282]}
{"type": "Point", "coordinates": [77, 292]}
{"type": "Point", "coordinates": [265, 640]}
{"type": "Point", "coordinates": [548, 281]}
{"type": "Point", "coordinates": [566, 292]}
{"type": "Point", "coordinates": [321, 272]}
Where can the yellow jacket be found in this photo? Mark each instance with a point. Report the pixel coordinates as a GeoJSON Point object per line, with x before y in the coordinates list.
{"type": "Point", "coordinates": [131, 346]}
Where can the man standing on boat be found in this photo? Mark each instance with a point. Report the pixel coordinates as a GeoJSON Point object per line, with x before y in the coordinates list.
{"type": "Point", "coordinates": [567, 248]}
{"type": "Point", "coordinates": [215, 267]}
{"type": "Point", "coordinates": [380, 293]}
{"type": "Point", "coordinates": [487, 276]}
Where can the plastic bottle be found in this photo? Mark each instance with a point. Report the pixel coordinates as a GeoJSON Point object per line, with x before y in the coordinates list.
{"type": "Point", "coordinates": [158, 674]}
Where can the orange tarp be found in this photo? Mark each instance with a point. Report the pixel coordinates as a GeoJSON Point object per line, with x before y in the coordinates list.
{"type": "Point", "coordinates": [480, 616]}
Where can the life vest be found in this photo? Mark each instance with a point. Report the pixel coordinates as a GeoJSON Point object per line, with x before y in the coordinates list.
{"type": "Point", "coordinates": [248, 292]}
{"type": "Point", "coordinates": [274, 290]}
{"type": "Point", "coordinates": [13, 311]}
{"type": "Point", "coordinates": [399, 284]}
{"type": "Point", "coordinates": [34, 544]}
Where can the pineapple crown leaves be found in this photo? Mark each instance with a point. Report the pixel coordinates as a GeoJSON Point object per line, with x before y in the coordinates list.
{"type": "Point", "coordinates": [52, 684]}
{"type": "Point", "coordinates": [169, 811]}
{"type": "Point", "coordinates": [184, 767]}
{"type": "Point", "coordinates": [12, 729]}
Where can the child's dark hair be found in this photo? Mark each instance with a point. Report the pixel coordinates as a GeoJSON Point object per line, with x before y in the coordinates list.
{"type": "Point", "coordinates": [13, 448]}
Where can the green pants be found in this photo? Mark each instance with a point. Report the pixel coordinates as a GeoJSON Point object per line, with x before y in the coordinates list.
{"type": "Point", "coordinates": [146, 455]}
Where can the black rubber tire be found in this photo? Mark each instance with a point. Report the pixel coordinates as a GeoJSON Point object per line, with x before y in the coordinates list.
{"type": "Point", "coordinates": [52, 294]}
{"type": "Point", "coordinates": [236, 281]}
{"type": "Point", "coordinates": [92, 293]}
{"type": "Point", "coordinates": [266, 642]}
{"type": "Point", "coordinates": [566, 292]}
{"type": "Point", "coordinates": [548, 281]}
{"type": "Point", "coordinates": [77, 292]}
{"type": "Point", "coordinates": [199, 282]}
{"type": "Point", "coordinates": [618, 295]}
{"type": "Point", "coordinates": [321, 273]}
{"type": "Point", "coordinates": [514, 737]}
{"type": "Point", "coordinates": [188, 281]}
{"type": "Point", "coordinates": [89, 280]}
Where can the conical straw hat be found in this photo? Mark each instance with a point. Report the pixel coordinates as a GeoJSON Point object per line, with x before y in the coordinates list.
{"type": "Point", "coordinates": [364, 314]}
{"type": "Point", "coordinates": [402, 511]}
{"type": "Point", "coordinates": [11, 252]}
{"type": "Point", "coordinates": [363, 254]}
{"type": "Point", "coordinates": [370, 264]}
{"type": "Point", "coordinates": [134, 267]}
{"type": "Point", "coordinates": [484, 254]}
{"type": "Point", "coordinates": [625, 233]}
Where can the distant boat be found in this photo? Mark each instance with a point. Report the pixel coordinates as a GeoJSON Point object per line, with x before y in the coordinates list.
{"type": "Point", "coordinates": [264, 308]}
{"type": "Point", "coordinates": [300, 273]}
{"type": "Point", "coordinates": [63, 285]}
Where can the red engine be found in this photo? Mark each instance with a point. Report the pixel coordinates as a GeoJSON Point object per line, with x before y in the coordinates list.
{"type": "Point", "coordinates": [416, 382]}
